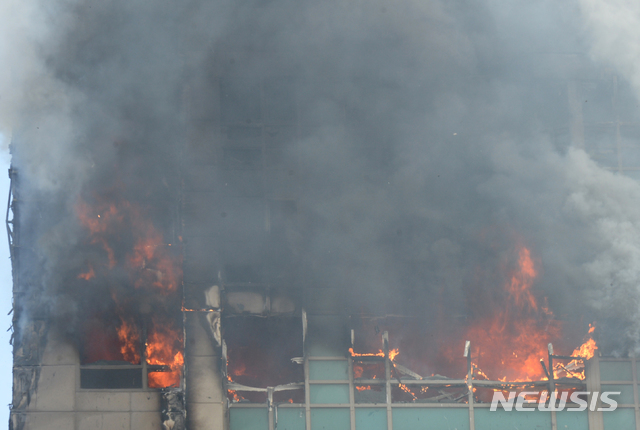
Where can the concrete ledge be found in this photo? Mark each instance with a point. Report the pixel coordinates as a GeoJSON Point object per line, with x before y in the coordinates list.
{"type": "Point", "coordinates": [50, 421]}
{"type": "Point", "coordinates": [104, 421]}
{"type": "Point", "coordinates": [103, 401]}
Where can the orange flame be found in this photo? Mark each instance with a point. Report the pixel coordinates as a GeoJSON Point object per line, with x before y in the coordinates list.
{"type": "Point", "coordinates": [131, 242]}
{"type": "Point", "coordinates": [129, 341]}
{"type": "Point", "coordinates": [406, 389]}
{"type": "Point", "coordinates": [164, 348]}
{"type": "Point", "coordinates": [234, 394]}
{"type": "Point", "coordinates": [393, 353]}
{"type": "Point", "coordinates": [575, 368]}
{"type": "Point", "coordinates": [513, 340]}
{"type": "Point", "coordinates": [90, 274]}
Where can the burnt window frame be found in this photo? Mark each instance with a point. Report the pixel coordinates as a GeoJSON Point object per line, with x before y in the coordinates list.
{"type": "Point", "coordinates": [144, 369]}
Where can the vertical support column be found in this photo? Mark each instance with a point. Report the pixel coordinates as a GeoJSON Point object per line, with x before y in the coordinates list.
{"type": "Point", "coordinates": [307, 402]}
{"type": "Point", "coordinates": [552, 382]}
{"type": "Point", "coordinates": [552, 388]}
{"type": "Point", "coordinates": [634, 369]}
{"type": "Point", "coordinates": [387, 375]}
{"type": "Point", "coordinates": [143, 358]}
{"type": "Point", "coordinates": [592, 369]}
{"type": "Point", "coordinates": [272, 415]}
{"type": "Point", "coordinates": [467, 354]}
{"type": "Point", "coordinates": [352, 400]}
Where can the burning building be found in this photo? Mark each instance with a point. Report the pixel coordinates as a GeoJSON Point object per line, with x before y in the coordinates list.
{"type": "Point", "coordinates": [272, 215]}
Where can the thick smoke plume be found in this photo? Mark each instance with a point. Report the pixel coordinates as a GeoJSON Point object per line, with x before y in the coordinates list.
{"type": "Point", "coordinates": [427, 150]}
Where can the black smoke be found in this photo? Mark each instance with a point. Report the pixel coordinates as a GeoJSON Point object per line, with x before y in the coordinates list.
{"type": "Point", "coordinates": [431, 140]}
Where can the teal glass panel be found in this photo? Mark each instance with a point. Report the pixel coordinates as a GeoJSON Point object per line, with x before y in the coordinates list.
{"type": "Point", "coordinates": [432, 419]}
{"type": "Point", "coordinates": [572, 420]}
{"type": "Point", "coordinates": [249, 418]}
{"type": "Point", "coordinates": [291, 419]}
{"type": "Point", "coordinates": [371, 419]}
{"type": "Point", "coordinates": [615, 371]}
{"type": "Point", "coordinates": [330, 419]}
{"type": "Point", "coordinates": [621, 418]}
{"type": "Point", "coordinates": [512, 420]}
{"type": "Point", "coordinates": [626, 396]}
{"type": "Point", "coordinates": [328, 370]}
{"type": "Point", "coordinates": [330, 393]}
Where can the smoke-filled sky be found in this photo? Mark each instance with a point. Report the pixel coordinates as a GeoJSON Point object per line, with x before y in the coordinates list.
{"type": "Point", "coordinates": [427, 150]}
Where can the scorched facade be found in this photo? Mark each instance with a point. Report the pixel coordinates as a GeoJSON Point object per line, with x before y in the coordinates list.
{"type": "Point", "coordinates": [198, 295]}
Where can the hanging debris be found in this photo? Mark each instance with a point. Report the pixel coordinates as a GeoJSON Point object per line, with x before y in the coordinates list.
{"type": "Point", "coordinates": [173, 410]}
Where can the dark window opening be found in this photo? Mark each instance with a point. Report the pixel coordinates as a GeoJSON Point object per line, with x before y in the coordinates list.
{"type": "Point", "coordinates": [127, 354]}
{"type": "Point", "coordinates": [111, 340]}
{"type": "Point", "coordinates": [111, 378]}
{"type": "Point", "coordinates": [260, 352]}
{"type": "Point", "coordinates": [243, 273]}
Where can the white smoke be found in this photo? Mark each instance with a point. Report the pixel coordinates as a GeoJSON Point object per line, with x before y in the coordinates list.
{"type": "Point", "coordinates": [612, 202]}
{"type": "Point", "coordinates": [29, 91]}
{"type": "Point", "coordinates": [614, 27]}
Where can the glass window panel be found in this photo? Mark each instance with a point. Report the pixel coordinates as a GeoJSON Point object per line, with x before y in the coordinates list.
{"type": "Point", "coordinates": [571, 420]}
{"type": "Point", "coordinates": [111, 378]}
{"type": "Point", "coordinates": [512, 420]}
{"type": "Point", "coordinates": [329, 393]}
{"type": "Point", "coordinates": [328, 370]}
{"type": "Point", "coordinates": [330, 419]}
{"type": "Point", "coordinates": [248, 419]}
{"type": "Point", "coordinates": [615, 371]}
{"type": "Point", "coordinates": [368, 369]}
{"type": "Point", "coordinates": [370, 394]}
{"type": "Point", "coordinates": [291, 419]}
{"type": "Point", "coordinates": [619, 419]}
{"type": "Point", "coordinates": [371, 419]}
{"type": "Point", "coordinates": [626, 396]}
{"type": "Point", "coordinates": [433, 419]}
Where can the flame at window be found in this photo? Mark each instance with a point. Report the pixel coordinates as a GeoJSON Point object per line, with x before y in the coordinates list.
{"type": "Point", "coordinates": [132, 275]}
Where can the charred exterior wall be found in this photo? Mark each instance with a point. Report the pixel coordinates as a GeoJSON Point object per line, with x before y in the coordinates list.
{"type": "Point", "coordinates": [308, 183]}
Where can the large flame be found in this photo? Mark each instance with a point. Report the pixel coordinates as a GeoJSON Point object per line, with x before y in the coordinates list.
{"type": "Point", "coordinates": [131, 244]}
{"type": "Point", "coordinates": [164, 348]}
{"type": "Point", "coordinates": [509, 344]}
{"type": "Point", "coordinates": [129, 341]}
{"type": "Point", "coordinates": [575, 368]}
